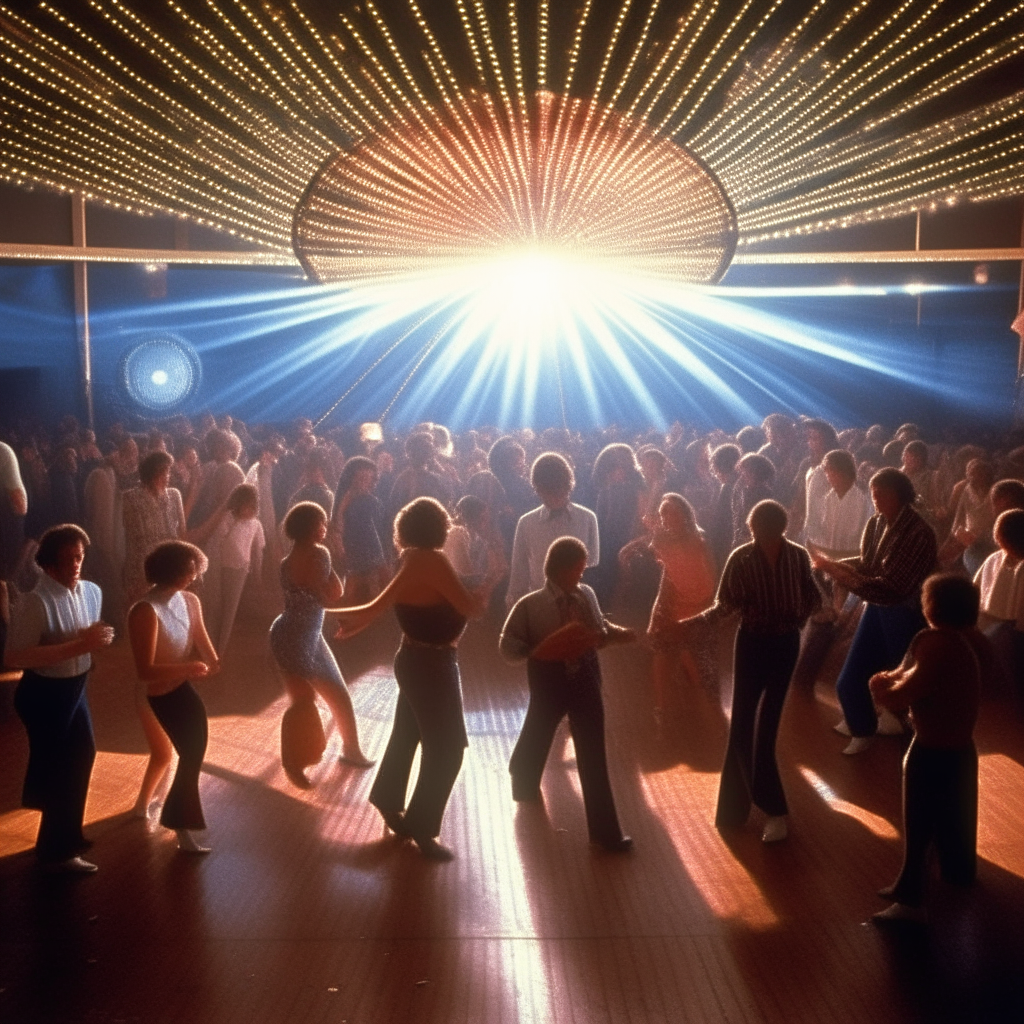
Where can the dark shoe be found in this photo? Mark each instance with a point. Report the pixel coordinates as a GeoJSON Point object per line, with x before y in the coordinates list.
{"type": "Point", "coordinates": [297, 777]}
{"type": "Point", "coordinates": [433, 850]}
{"type": "Point", "coordinates": [889, 892]}
{"type": "Point", "coordinates": [621, 845]}
{"type": "Point", "coordinates": [72, 866]}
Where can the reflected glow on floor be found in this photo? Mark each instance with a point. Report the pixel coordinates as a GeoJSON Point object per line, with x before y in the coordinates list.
{"type": "Point", "coordinates": [703, 853]}
{"type": "Point", "coordinates": [881, 827]}
{"type": "Point", "coordinates": [1000, 800]}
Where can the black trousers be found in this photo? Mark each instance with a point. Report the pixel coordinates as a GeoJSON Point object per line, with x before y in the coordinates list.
{"type": "Point", "coordinates": [61, 751]}
{"type": "Point", "coordinates": [762, 668]}
{"type": "Point", "coordinates": [183, 717]}
{"type": "Point", "coordinates": [555, 693]}
{"type": "Point", "coordinates": [428, 714]}
{"type": "Point", "coordinates": [940, 806]}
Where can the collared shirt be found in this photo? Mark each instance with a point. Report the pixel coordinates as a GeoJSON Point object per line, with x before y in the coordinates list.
{"type": "Point", "coordinates": [843, 521]}
{"type": "Point", "coordinates": [53, 614]}
{"type": "Point", "coordinates": [538, 614]}
{"type": "Point", "coordinates": [768, 600]}
{"type": "Point", "coordinates": [535, 533]}
{"type": "Point", "coordinates": [816, 488]}
{"type": "Point", "coordinates": [894, 560]}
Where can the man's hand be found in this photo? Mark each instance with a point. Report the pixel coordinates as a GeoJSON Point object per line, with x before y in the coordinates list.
{"type": "Point", "coordinates": [98, 635]}
{"type": "Point", "coordinates": [567, 643]}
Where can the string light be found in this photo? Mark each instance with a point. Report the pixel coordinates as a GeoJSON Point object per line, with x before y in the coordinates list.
{"type": "Point", "coordinates": [658, 139]}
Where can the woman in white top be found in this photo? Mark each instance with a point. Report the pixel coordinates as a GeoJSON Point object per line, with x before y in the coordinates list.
{"type": "Point", "coordinates": [165, 627]}
{"type": "Point", "coordinates": [235, 545]}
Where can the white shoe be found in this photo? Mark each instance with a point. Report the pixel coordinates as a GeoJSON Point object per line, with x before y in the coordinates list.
{"type": "Point", "coordinates": [187, 842]}
{"type": "Point", "coordinates": [842, 728]}
{"type": "Point", "coordinates": [858, 744]}
{"type": "Point", "coordinates": [73, 866]}
{"type": "Point", "coordinates": [775, 830]}
{"type": "Point", "coordinates": [889, 724]}
{"type": "Point", "coordinates": [900, 913]}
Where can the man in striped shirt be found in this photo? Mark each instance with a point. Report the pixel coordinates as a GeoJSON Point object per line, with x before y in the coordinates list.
{"type": "Point", "coordinates": [897, 553]}
{"type": "Point", "coordinates": [768, 584]}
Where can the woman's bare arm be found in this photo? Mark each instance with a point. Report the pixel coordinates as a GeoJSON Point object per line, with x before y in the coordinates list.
{"type": "Point", "coordinates": [143, 627]}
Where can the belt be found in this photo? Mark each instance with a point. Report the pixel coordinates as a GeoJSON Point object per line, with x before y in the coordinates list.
{"type": "Point", "coordinates": [450, 646]}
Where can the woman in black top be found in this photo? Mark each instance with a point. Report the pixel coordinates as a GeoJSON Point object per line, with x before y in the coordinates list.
{"type": "Point", "coordinates": [432, 606]}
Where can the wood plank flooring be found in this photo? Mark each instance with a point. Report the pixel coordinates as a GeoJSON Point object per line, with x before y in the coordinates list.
{"type": "Point", "coordinates": [306, 912]}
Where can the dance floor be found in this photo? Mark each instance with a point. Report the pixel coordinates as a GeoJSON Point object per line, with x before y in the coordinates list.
{"type": "Point", "coordinates": [306, 911]}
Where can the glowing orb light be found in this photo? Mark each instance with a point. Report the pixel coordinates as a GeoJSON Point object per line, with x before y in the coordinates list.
{"type": "Point", "coordinates": [160, 373]}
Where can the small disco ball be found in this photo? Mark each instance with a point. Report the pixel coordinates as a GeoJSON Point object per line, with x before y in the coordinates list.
{"type": "Point", "coordinates": [160, 373]}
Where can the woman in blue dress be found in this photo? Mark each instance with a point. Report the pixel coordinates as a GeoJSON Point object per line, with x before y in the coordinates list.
{"type": "Point", "coordinates": [301, 652]}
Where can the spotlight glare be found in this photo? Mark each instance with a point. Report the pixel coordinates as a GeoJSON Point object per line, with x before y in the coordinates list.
{"type": "Point", "coordinates": [159, 378]}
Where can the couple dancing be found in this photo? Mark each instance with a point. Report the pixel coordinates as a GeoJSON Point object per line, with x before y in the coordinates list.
{"type": "Point", "coordinates": [432, 606]}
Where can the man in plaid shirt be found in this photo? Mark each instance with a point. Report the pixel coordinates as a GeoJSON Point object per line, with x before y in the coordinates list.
{"type": "Point", "coordinates": [898, 552]}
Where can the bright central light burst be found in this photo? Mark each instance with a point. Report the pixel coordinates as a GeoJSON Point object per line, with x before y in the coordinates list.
{"type": "Point", "coordinates": [159, 378]}
{"type": "Point", "coordinates": [469, 181]}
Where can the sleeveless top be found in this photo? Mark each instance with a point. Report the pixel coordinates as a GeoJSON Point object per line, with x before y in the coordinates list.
{"type": "Point", "coordinates": [174, 635]}
{"type": "Point", "coordinates": [437, 625]}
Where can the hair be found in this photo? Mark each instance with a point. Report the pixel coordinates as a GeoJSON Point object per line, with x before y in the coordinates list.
{"type": "Point", "coordinates": [423, 523]}
{"type": "Point", "coordinates": [725, 457]}
{"type": "Point", "coordinates": [470, 509]}
{"type": "Point", "coordinates": [503, 455]}
{"type": "Point", "coordinates": [55, 540]}
{"type": "Point", "coordinates": [357, 464]}
{"type": "Point", "coordinates": [302, 519]}
{"type": "Point", "coordinates": [750, 439]}
{"type": "Point", "coordinates": [241, 496]}
{"type": "Point", "coordinates": [760, 467]}
{"type": "Point", "coordinates": [153, 465]}
{"type": "Point", "coordinates": [892, 453]}
{"type": "Point", "coordinates": [684, 506]}
{"type": "Point", "coordinates": [1009, 493]}
{"type": "Point", "coordinates": [776, 421]}
{"type": "Point", "coordinates": [551, 472]}
{"type": "Point", "coordinates": [918, 448]}
{"type": "Point", "coordinates": [768, 516]}
{"type": "Point", "coordinates": [895, 481]}
{"type": "Point", "coordinates": [168, 562]}
{"type": "Point", "coordinates": [419, 448]}
{"type": "Point", "coordinates": [982, 464]}
{"type": "Point", "coordinates": [841, 461]}
{"type": "Point", "coordinates": [824, 428]}
{"type": "Point", "coordinates": [950, 600]}
{"type": "Point", "coordinates": [1009, 531]}
{"type": "Point", "coordinates": [564, 553]}
{"type": "Point", "coordinates": [612, 457]}
{"type": "Point", "coordinates": [219, 440]}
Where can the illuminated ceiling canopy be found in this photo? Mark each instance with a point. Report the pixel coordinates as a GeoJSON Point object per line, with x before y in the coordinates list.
{"type": "Point", "coordinates": [380, 137]}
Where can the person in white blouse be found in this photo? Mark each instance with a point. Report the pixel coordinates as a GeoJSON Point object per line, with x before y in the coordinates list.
{"type": "Point", "coordinates": [553, 480]}
{"type": "Point", "coordinates": [54, 631]}
{"type": "Point", "coordinates": [1000, 582]}
{"type": "Point", "coordinates": [235, 548]}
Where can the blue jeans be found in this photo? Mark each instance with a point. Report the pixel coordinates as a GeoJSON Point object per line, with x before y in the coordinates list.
{"type": "Point", "coordinates": [881, 640]}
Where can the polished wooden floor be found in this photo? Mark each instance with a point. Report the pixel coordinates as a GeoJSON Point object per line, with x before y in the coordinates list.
{"type": "Point", "coordinates": [305, 911]}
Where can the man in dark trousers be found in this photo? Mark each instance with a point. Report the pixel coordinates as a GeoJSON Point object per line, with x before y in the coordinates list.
{"type": "Point", "coordinates": [557, 631]}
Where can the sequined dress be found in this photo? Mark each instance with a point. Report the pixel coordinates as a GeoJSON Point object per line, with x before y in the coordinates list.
{"type": "Point", "coordinates": [296, 637]}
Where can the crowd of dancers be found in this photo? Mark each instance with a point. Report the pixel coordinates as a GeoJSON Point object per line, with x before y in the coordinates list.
{"type": "Point", "coordinates": [791, 530]}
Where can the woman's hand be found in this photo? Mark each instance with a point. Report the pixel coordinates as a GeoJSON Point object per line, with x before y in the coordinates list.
{"type": "Point", "coordinates": [351, 621]}
{"type": "Point", "coordinates": [196, 669]}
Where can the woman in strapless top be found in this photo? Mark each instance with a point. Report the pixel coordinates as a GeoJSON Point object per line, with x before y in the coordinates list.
{"type": "Point", "coordinates": [432, 606]}
{"type": "Point", "coordinates": [302, 654]}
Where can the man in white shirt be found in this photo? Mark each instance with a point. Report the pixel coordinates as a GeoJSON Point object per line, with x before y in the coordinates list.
{"type": "Point", "coordinates": [553, 480]}
{"type": "Point", "coordinates": [54, 630]}
{"type": "Point", "coordinates": [835, 531]}
{"type": "Point", "coordinates": [1000, 583]}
